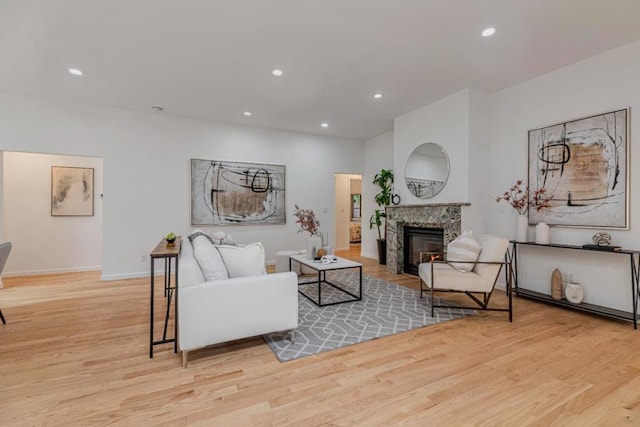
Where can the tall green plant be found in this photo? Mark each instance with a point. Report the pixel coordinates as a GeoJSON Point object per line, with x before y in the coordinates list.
{"type": "Point", "coordinates": [384, 181]}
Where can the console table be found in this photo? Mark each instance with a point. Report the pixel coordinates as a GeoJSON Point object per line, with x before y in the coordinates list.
{"type": "Point", "coordinates": [166, 251]}
{"type": "Point", "coordinates": [512, 257]}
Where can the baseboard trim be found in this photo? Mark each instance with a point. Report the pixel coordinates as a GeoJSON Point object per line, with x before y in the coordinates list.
{"type": "Point", "coordinates": [52, 271]}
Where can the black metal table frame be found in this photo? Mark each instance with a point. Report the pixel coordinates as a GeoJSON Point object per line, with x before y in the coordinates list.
{"type": "Point", "coordinates": [634, 257]}
{"type": "Point", "coordinates": [169, 292]}
{"type": "Point", "coordinates": [322, 278]}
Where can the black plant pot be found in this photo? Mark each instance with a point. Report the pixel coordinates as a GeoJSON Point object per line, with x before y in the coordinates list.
{"type": "Point", "coordinates": [382, 251]}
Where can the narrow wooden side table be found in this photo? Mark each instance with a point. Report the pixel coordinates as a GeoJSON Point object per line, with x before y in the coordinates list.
{"type": "Point", "coordinates": [166, 251]}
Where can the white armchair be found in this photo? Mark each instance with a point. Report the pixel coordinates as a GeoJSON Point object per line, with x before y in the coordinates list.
{"type": "Point", "coordinates": [438, 275]}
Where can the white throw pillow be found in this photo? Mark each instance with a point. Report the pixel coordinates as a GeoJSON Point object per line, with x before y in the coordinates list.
{"type": "Point", "coordinates": [209, 259]}
{"type": "Point", "coordinates": [244, 261]}
{"type": "Point", "coordinates": [463, 248]}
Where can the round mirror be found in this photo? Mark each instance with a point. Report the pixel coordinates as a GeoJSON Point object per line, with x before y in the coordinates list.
{"type": "Point", "coordinates": [427, 170]}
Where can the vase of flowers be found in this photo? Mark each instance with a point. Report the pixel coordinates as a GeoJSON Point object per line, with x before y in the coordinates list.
{"type": "Point", "coordinates": [521, 200]}
{"type": "Point", "coordinates": [309, 224]}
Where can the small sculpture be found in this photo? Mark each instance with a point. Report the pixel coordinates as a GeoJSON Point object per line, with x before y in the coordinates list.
{"type": "Point", "coordinates": [602, 239]}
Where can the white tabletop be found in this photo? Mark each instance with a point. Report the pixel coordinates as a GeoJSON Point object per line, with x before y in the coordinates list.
{"type": "Point", "coordinates": [340, 263]}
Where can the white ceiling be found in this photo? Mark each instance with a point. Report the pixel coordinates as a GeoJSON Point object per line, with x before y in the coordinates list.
{"type": "Point", "coordinates": [212, 59]}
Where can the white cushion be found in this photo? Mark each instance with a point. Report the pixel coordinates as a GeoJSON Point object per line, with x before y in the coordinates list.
{"type": "Point", "coordinates": [244, 261]}
{"type": "Point", "coordinates": [209, 259]}
{"type": "Point", "coordinates": [463, 248]}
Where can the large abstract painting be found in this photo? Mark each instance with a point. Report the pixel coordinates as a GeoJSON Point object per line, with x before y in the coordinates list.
{"type": "Point", "coordinates": [583, 165]}
{"type": "Point", "coordinates": [236, 193]}
{"type": "Point", "coordinates": [71, 191]}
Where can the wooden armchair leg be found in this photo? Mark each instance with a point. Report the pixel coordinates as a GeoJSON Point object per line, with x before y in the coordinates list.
{"type": "Point", "coordinates": [184, 358]}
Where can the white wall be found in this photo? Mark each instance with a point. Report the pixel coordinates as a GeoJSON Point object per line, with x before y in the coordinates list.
{"type": "Point", "coordinates": [146, 162]}
{"type": "Point", "coordinates": [378, 155]}
{"type": "Point", "coordinates": [43, 243]}
{"type": "Point", "coordinates": [477, 216]}
{"type": "Point", "coordinates": [445, 122]}
{"type": "Point", "coordinates": [598, 84]}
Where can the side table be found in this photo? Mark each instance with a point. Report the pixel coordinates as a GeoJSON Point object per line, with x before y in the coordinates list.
{"type": "Point", "coordinates": [166, 251]}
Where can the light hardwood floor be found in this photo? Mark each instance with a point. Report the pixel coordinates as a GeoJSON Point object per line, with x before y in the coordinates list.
{"type": "Point", "coordinates": [75, 353]}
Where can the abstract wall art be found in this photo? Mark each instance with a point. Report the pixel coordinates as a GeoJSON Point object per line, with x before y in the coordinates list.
{"type": "Point", "coordinates": [583, 165]}
{"type": "Point", "coordinates": [71, 191]}
{"type": "Point", "coordinates": [224, 193]}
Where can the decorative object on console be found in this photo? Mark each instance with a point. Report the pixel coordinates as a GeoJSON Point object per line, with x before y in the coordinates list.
{"type": "Point", "coordinates": [602, 238]}
{"type": "Point", "coordinates": [522, 228]}
{"type": "Point", "coordinates": [602, 248]}
{"type": "Point", "coordinates": [521, 201]}
{"type": "Point", "coordinates": [384, 181]}
{"type": "Point", "coordinates": [71, 191]}
{"type": "Point", "coordinates": [171, 238]}
{"type": "Point", "coordinates": [224, 193]}
{"type": "Point", "coordinates": [542, 233]}
{"type": "Point", "coordinates": [556, 285]}
{"type": "Point", "coordinates": [574, 292]}
{"type": "Point", "coordinates": [602, 242]}
{"type": "Point", "coordinates": [583, 164]}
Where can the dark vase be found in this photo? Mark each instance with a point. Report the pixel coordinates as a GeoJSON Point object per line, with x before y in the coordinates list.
{"type": "Point", "coordinates": [382, 251]}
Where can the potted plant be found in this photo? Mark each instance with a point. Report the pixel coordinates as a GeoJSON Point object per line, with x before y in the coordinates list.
{"type": "Point", "coordinates": [384, 181]}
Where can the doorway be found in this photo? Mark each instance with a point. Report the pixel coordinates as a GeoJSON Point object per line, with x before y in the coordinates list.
{"type": "Point", "coordinates": [31, 223]}
{"type": "Point", "coordinates": [348, 212]}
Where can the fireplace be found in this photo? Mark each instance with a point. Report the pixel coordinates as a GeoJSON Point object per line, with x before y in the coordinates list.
{"type": "Point", "coordinates": [420, 239]}
{"type": "Point", "coordinates": [445, 216]}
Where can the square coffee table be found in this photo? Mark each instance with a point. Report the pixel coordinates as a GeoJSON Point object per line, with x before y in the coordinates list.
{"type": "Point", "coordinates": [340, 264]}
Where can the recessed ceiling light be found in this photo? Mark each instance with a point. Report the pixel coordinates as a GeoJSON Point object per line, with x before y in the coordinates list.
{"type": "Point", "coordinates": [277, 72]}
{"type": "Point", "coordinates": [75, 71]}
{"type": "Point", "coordinates": [247, 113]}
{"type": "Point", "coordinates": [324, 125]}
{"type": "Point", "coordinates": [378, 95]}
{"type": "Point", "coordinates": [488, 32]}
{"type": "Point", "coordinates": [157, 108]}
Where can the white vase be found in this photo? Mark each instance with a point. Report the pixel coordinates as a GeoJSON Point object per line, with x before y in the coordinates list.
{"type": "Point", "coordinates": [542, 233]}
{"type": "Point", "coordinates": [522, 228]}
{"type": "Point", "coordinates": [313, 244]}
{"type": "Point", "coordinates": [574, 292]}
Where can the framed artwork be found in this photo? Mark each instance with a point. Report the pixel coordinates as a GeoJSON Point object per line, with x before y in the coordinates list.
{"type": "Point", "coordinates": [71, 191]}
{"type": "Point", "coordinates": [356, 202]}
{"type": "Point", "coordinates": [225, 193]}
{"type": "Point", "coordinates": [583, 165]}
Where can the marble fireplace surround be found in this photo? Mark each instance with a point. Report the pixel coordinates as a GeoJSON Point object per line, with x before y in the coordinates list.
{"type": "Point", "coordinates": [447, 216]}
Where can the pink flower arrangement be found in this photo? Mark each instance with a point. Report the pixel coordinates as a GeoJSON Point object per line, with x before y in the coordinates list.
{"type": "Point", "coordinates": [307, 220]}
{"type": "Point", "coordinates": [520, 199]}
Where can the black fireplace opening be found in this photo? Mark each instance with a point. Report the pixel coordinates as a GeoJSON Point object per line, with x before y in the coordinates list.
{"type": "Point", "coordinates": [421, 239]}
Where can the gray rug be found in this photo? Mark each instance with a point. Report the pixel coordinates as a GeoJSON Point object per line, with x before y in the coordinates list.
{"type": "Point", "coordinates": [385, 309]}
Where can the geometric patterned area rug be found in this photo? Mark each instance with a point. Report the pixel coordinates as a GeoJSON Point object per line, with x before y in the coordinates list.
{"type": "Point", "coordinates": [385, 309]}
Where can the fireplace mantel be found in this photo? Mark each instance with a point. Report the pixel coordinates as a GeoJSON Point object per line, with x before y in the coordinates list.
{"type": "Point", "coordinates": [439, 215]}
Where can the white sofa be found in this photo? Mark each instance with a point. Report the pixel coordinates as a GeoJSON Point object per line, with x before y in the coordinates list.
{"type": "Point", "coordinates": [211, 312]}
